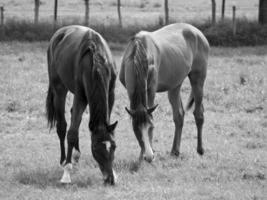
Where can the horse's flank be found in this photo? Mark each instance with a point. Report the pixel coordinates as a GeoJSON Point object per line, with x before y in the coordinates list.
{"type": "Point", "coordinates": [170, 52]}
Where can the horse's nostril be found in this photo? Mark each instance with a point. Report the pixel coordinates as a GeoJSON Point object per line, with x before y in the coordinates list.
{"type": "Point", "coordinates": [149, 159]}
{"type": "Point", "coordinates": [110, 180]}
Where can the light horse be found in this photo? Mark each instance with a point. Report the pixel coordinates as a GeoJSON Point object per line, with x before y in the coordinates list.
{"type": "Point", "coordinates": [159, 61]}
{"type": "Point", "coordinates": [80, 61]}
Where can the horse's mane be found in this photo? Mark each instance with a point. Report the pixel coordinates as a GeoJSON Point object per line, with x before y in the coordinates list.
{"type": "Point", "coordinates": [138, 60]}
{"type": "Point", "coordinates": [99, 95]}
{"type": "Point", "coordinates": [99, 86]}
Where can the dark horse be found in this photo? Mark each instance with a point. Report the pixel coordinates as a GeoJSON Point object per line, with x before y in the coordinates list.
{"type": "Point", "coordinates": [159, 61]}
{"type": "Point", "coordinates": [80, 61]}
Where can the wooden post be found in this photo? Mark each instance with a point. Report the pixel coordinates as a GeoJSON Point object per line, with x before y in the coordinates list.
{"type": "Point", "coordinates": [86, 19]}
{"type": "Point", "coordinates": [234, 20]}
{"type": "Point", "coordinates": [166, 7]}
{"type": "Point", "coordinates": [2, 26]}
{"type": "Point", "coordinates": [263, 11]}
{"type": "Point", "coordinates": [223, 9]}
{"type": "Point", "coordinates": [2, 15]}
{"type": "Point", "coordinates": [36, 11]}
{"type": "Point", "coordinates": [213, 12]}
{"type": "Point", "coordinates": [119, 12]}
{"type": "Point", "coordinates": [55, 14]}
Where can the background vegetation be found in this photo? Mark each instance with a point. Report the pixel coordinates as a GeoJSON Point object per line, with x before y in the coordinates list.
{"type": "Point", "coordinates": [136, 16]}
{"type": "Point", "coordinates": [248, 32]}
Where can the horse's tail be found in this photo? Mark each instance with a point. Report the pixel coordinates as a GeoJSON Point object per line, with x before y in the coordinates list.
{"type": "Point", "coordinates": [190, 101]}
{"type": "Point", "coordinates": [50, 108]}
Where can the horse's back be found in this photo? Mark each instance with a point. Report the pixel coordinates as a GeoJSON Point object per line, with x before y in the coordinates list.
{"type": "Point", "coordinates": [181, 38]}
{"type": "Point", "coordinates": [179, 46]}
{"type": "Point", "coordinates": [64, 52]}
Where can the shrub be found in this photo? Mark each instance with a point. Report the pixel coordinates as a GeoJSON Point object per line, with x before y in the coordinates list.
{"type": "Point", "coordinates": [248, 33]}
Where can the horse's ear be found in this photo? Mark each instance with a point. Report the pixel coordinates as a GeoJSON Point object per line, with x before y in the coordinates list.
{"type": "Point", "coordinates": [92, 47]}
{"type": "Point", "coordinates": [130, 112]}
{"type": "Point", "coordinates": [151, 110]}
{"type": "Point", "coordinates": [112, 127]}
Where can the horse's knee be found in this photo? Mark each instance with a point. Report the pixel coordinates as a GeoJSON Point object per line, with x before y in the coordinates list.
{"type": "Point", "coordinates": [178, 118]}
{"type": "Point", "coordinates": [72, 137]}
{"type": "Point", "coordinates": [62, 125]}
{"type": "Point", "coordinates": [61, 129]}
{"type": "Point", "coordinates": [199, 117]}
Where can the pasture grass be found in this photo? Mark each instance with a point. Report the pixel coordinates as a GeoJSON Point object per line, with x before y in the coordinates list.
{"type": "Point", "coordinates": [234, 165]}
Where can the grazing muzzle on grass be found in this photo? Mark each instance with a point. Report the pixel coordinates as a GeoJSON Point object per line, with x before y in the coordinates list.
{"type": "Point", "coordinates": [103, 149]}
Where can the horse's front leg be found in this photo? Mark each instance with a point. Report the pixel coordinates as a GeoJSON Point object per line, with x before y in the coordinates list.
{"type": "Point", "coordinates": [178, 118]}
{"type": "Point", "coordinates": [151, 97]}
{"type": "Point", "coordinates": [78, 108]}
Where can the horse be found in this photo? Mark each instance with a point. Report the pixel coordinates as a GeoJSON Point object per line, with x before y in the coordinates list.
{"type": "Point", "coordinates": [159, 61]}
{"type": "Point", "coordinates": [80, 61]}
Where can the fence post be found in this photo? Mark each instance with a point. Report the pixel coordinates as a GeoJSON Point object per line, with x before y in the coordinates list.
{"type": "Point", "coordinates": [2, 26]}
{"type": "Point", "coordinates": [223, 8]}
{"type": "Point", "coordinates": [234, 20]}
{"type": "Point", "coordinates": [213, 11]}
{"type": "Point", "coordinates": [55, 14]}
{"type": "Point", "coordinates": [166, 7]}
{"type": "Point", "coordinates": [36, 11]}
{"type": "Point", "coordinates": [119, 12]}
{"type": "Point", "coordinates": [86, 17]}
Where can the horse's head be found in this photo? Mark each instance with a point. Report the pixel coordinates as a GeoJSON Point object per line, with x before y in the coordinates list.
{"type": "Point", "coordinates": [143, 126]}
{"type": "Point", "coordinates": [103, 149]}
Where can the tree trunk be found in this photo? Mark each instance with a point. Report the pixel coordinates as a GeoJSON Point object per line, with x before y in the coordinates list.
{"type": "Point", "coordinates": [263, 11]}
{"type": "Point", "coordinates": [55, 14]}
{"type": "Point", "coordinates": [213, 10]}
{"type": "Point", "coordinates": [86, 18]}
{"type": "Point", "coordinates": [166, 8]}
{"type": "Point", "coordinates": [36, 11]}
{"type": "Point", "coordinates": [119, 12]}
{"type": "Point", "coordinates": [223, 9]}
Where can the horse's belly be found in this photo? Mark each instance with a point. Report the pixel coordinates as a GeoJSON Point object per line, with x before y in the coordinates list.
{"type": "Point", "coordinates": [170, 75]}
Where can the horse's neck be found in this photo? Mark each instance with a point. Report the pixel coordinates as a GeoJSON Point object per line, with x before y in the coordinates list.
{"type": "Point", "coordinates": [99, 111]}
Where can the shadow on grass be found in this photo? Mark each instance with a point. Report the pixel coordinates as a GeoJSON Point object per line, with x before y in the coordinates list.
{"type": "Point", "coordinates": [43, 178]}
{"type": "Point", "coordinates": [126, 165]}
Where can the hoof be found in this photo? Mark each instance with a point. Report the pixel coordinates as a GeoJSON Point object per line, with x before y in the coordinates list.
{"type": "Point", "coordinates": [62, 164]}
{"type": "Point", "coordinates": [76, 156]}
{"type": "Point", "coordinates": [175, 153]}
{"type": "Point", "coordinates": [200, 151]}
{"type": "Point", "coordinates": [66, 175]}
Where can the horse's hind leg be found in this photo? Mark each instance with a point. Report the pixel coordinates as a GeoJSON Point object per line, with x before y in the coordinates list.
{"type": "Point", "coordinates": [178, 118]}
{"type": "Point", "coordinates": [197, 79]}
{"type": "Point", "coordinates": [60, 93]}
{"type": "Point", "coordinates": [77, 153]}
{"type": "Point", "coordinates": [79, 105]}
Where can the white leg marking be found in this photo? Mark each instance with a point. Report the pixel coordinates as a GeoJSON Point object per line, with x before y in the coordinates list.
{"type": "Point", "coordinates": [76, 156]}
{"type": "Point", "coordinates": [66, 175]}
{"type": "Point", "coordinates": [115, 176]}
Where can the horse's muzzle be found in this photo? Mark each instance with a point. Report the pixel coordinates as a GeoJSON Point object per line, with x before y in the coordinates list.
{"type": "Point", "coordinates": [110, 179]}
{"type": "Point", "coordinates": [149, 158]}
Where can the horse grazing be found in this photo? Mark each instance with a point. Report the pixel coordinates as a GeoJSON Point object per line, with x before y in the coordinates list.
{"type": "Point", "coordinates": [159, 61]}
{"type": "Point", "coordinates": [80, 61]}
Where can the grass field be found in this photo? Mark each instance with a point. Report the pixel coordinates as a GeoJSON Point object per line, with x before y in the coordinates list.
{"type": "Point", "coordinates": [133, 11]}
{"type": "Point", "coordinates": [234, 165]}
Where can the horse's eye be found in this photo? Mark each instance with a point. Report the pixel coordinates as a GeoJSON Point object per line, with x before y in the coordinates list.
{"type": "Point", "coordinates": [113, 146]}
